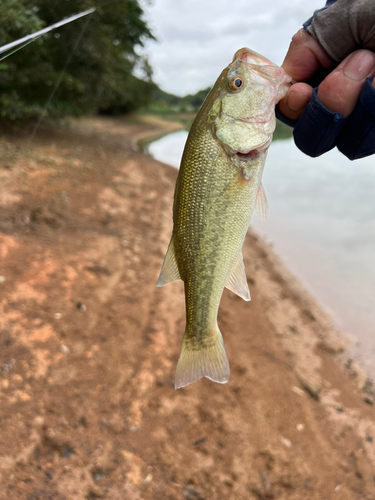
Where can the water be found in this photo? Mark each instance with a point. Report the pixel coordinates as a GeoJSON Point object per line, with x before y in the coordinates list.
{"type": "Point", "coordinates": [169, 148]}
{"type": "Point", "coordinates": [322, 223]}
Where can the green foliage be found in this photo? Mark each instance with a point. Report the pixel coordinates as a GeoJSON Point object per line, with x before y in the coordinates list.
{"type": "Point", "coordinates": [100, 75]}
{"type": "Point", "coordinates": [17, 19]}
{"type": "Point", "coordinates": [164, 103]}
{"type": "Point", "coordinates": [161, 99]}
{"type": "Point", "coordinates": [194, 101]}
{"type": "Point", "coordinates": [282, 131]}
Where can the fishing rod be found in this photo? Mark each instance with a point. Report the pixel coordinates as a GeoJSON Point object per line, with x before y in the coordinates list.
{"type": "Point", "coordinates": [22, 42]}
{"type": "Point", "coordinates": [31, 38]}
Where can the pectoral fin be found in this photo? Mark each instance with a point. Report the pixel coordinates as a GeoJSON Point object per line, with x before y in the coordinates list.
{"type": "Point", "coordinates": [237, 281]}
{"type": "Point", "coordinates": [169, 272]}
{"type": "Point", "coordinates": [261, 203]}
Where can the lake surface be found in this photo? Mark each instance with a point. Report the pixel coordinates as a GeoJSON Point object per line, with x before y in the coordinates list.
{"type": "Point", "coordinates": [321, 222]}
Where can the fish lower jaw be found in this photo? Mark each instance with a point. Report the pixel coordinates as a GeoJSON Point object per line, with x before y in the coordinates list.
{"type": "Point", "coordinates": [251, 155]}
{"type": "Point", "coordinates": [247, 155]}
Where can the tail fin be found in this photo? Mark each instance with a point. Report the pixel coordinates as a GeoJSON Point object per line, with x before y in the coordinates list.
{"type": "Point", "coordinates": [209, 361]}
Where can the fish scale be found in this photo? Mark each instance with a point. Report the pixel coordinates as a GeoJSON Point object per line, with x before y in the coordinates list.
{"type": "Point", "coordinates": [218, 185]}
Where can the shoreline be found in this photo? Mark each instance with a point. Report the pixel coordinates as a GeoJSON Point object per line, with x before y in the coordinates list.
{"type": "Point", "coordinates": [85, 219]}
{"type": "Point", "coordinates": [350, 355]}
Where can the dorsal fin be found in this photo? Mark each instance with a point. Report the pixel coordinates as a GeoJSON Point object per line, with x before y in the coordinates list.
{"type": "Point", "coordinates": [169, 271]}
{"type": "Point", "coordinates": [237, 281]}
{"type": "Point", "coordinates": [261, 203]}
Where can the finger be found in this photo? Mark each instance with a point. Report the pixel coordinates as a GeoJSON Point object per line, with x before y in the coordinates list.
{"type": "Point", "coordinates": [295, 100]}
{"type": "Point", "coordinates": [304, 57]}
{"type": "Point", "coordinates": [340, 90]}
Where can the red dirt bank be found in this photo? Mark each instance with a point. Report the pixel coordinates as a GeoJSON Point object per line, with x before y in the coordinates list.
{"type": "Point", "coordinates": [88, 346]}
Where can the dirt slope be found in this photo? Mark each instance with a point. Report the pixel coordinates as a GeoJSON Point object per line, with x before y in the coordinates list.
{"type": "Point", "coordinates": [88, 346]}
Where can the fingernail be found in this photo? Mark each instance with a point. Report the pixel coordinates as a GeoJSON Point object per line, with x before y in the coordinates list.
{"type": "Point", "coordinates": [359, 66]}
{"type": "Point", "coordinates": [297, 101]}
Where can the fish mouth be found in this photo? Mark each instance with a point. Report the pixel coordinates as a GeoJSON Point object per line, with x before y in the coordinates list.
{"type": "Point", "coordinates": [251, 155]}
{"type": "Point", "coordinates": [263, 69]}
{"type": "Point", "coordinates": [251, 57]}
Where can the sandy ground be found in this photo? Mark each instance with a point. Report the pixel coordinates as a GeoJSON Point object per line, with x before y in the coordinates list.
{"type": "Point", "coordinates": [88, 346]}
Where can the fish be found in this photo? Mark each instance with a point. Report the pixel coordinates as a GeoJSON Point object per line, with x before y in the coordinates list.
{"type": "Point", "coordinates": [217, 189]}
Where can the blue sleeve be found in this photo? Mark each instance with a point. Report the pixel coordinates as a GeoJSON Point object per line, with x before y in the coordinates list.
{"type": "Point", "coordinates": [357, 138]}
{"type": "Point", "coordinates": [319, 130]}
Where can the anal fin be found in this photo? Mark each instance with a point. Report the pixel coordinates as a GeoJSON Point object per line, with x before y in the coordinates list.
{"type": "Point", "coordinates": [169, 271]}
{"type": "Point", "coordinates": [237, 281]}
{"type": "Point", "coordinates": [261, 203]}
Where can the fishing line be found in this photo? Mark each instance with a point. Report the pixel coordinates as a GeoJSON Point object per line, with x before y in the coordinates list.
{"type": "Point", "coordinates": [35, 35]}
{"type": "Point", "coordinates": [58, 81]}
{"type": "Point", "coordinates": [21, 47]}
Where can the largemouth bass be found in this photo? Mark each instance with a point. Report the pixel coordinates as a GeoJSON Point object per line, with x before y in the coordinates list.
{"type": "Point", "coordinates": [218, 186]}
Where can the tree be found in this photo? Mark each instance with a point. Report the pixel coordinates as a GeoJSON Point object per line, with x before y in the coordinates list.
{"type": "Point", "coordinates": [100, 74]}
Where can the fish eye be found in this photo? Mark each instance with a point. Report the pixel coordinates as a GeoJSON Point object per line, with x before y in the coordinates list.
{"type": "Point", "coordinates": [235, 83]}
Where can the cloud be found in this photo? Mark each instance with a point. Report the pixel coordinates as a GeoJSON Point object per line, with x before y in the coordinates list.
{"type": "Point", "coordinates": [197, 38]}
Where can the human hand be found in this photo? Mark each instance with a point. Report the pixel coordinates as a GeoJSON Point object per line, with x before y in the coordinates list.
{"type": "Point", "coordinates": [339, 91]}
{"type": "Point", "coordinates": [341, 110]}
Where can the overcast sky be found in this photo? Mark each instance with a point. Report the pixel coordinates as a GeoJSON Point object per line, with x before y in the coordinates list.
{"type": "Point", "coordinates": [197, 38]}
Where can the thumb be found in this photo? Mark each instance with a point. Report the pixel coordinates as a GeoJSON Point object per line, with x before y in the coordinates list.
{"type": "Point", "coordinates": [340, 90]}
{"type": "Point", "coordinates": [305, 57]}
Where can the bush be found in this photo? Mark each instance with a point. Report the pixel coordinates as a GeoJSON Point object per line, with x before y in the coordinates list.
{"type": "Point", "coordinates": [100, 74]}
